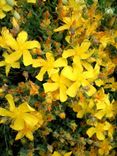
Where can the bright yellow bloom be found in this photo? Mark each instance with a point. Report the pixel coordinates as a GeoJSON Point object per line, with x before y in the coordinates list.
{"type": "Point", "coordinates": [3, 42]}
{"type": "Point", "coordinates": [99, 82]}
{"type": "Point", "coordinates": [20, 115]}
{"type": "Point", "coordinates": [28, 129]}
{"type": "Point", "coordinates": [105, 147]}
{"type": "Point", "coordinates": [71, 23]}
{"type": "Point", "coordinates": [107, 38]}
{"type": "Point", "coordinates": [59, 83]}
{"type": "Point", "coordinates": [76, 5]}
{"type": "Point", "coordinates": [4, 7]}
{"type": "Point", "coordinates": [104, 107]}
{"type": "Point", "coordinates": [80, 77]}
{"type": "Point", "coordinates": [50, 65]}
{"type": "Point", "coordinates": [83, 107]}
{"type": "Point", "coordinates": [58, 154]}
{"type": "Point", "coordinates": [8, 66]}
{"type": "Point", "coordinates": [79, 52]}
{"type": "Point", "coordinates": [98, 129]}
{"type": "Point", "coordinates": [111, 129]}
{"type": "Point", "coordinates": [92, 22]}
{"type": "Point", "coordinates": [20, 46]}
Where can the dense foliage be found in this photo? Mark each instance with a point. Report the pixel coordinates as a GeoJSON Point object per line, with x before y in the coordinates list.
{"type": "Point", "coordinates": [58, 77]}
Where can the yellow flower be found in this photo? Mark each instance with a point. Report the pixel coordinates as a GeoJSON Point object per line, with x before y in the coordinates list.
{"type": "Point", "coordinates": [79, 77]}
{"type": "Point", "coordinates": [4, 7]}
{"type": "Point", "coordinates": [20, 115]}
{"type": "Point", "coordinates": [28, 129]}
{"type": "Point", "coordinates": [104, 107]}
{"type": "Point", "coordinates": [8, 66]}
{"type": "Point", "coordinates": [111, 129]}
{"type": "Point", "coordinates": [79, 52]}
{"type": "Point", "coordinates": [76, 5]}
{"type": "Point", "coordinates": [71, 23]}
{"type": "Point", "coordinates": [58, 154]}
{"type": "Point", "coordinates": [99, 82]}
{"type": "Point", "coordinates": [98, 129]}
{"type": "Point", "coordinates": [50, 65]}
{"type": "Point", "coordinates": [3, 42]}
{"type": "Point", "coordinates": [105, 147]}
{"type": "Point", "coordinates": [20, 46]}
{"type": "Point", "coordinates": [107, 38]}
{"type": "Point", "coordinates": [59, 83]}
{"type": "Point", "coordinates": [83, 107]}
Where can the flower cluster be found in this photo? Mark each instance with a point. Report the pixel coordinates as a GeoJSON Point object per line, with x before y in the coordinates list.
{"type": "Point", "coordinates": [24, 118]}
{"type": "Point", "coordinates": [68, 69]}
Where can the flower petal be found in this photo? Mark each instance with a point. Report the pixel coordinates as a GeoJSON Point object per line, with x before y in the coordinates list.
{"type": "Point", "coordinates": [15, 65]}
{"type": "Point", "coordinates": [10, 100]}
{"type": "Point", "coordinates": [68, 73]}
{"type": "Point", "coordinates": [63, 94]}
{"type": "Point", "coordinates": [84, 46]}
{"type": "Point", "coordinates": [80, 114]}
{"type": "Point", "coordinates": [22, 37]}
{"type": "Point", "coordinates": [68, 53]}
{"type": "Point", "coordinates": [60, 62]}
{"type": "Point", "coordinates": [91, 90]}
{"type": "Point", "coordinates": [2, 14]}
{"type": "Point", "coordinates": [50, 57]}
{"type": "Point", "coordinates": [19, 135]}
{"type": "Point", "coordinates": [10, 41]}
{"type": "Point", "coordinates": [18, 124]}
{"type": "Point", "coordinates": [15, 56]}
{"type": "Point", "coordinates": [50, 87]}
{"type": "Point", "coordinates": [61, 28]}
{"type": "Point", "coordinates": [30, 119]}
{"type": "Point", "coordinates": [73, 89]}
{"type": "Point", "coordinates": [2, 63]}
{"type": "Point", "coordinates": [7, 69]}
{"type": "Point", "coordinates": [7, 8]}
{"type": "Point", "coordinates": [100, 114]}
{"type": "Point", "coordinates": [32, 44]}
{"type": "Point", "coordinates": [100, 135]}
{"type": "Point", "coordinates": [29, 135]}
{"type": "Point", "coordinates": [4, 112]}
{"type": "Point", "coordinates": [38, 62]}
{"type": "Point", "coordinates": [55, 77]}
{"type": "Point", "coordinates": [90, 131]}
{"type": "Point", "coordinates": [68, 154]}
{"type": "Point", "coordinates": [24, 107]}
{"type": "Point", "coordinates": [41, 74]}
{"type": "Point", "coordinates": [56, 154]}
{"type": "Point", "coordinates": [27, 58]}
